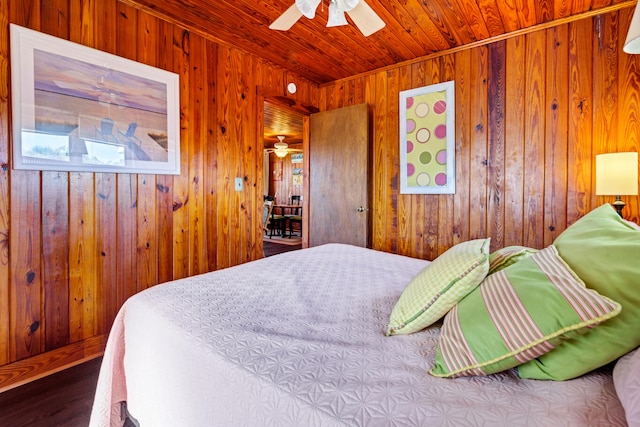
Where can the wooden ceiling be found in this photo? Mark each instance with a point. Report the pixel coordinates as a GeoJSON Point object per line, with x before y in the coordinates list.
{"type": "Point", "coordinates": [281, 121]}
{"type": "Point", "coordinates": [414, 29]}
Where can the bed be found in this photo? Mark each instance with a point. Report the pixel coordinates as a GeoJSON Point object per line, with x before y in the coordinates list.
{"type": "Point", "coordinates": [299, 339]}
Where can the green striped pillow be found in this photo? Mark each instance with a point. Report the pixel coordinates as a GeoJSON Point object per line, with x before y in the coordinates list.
{"type": "Point", "coordinates": [604, 251]}
{"type": "Point", "coordinates": [504, 257]}
{"type": "Point", "coordinates": [439, 286]}
{"type": "Point", "coordinates": [516, 315]}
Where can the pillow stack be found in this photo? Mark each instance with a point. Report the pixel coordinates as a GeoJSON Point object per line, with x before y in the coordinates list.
{"type": "Point", "coordinates": [554, 314]}
{"type": "Point", "coordinates": [516, 315]}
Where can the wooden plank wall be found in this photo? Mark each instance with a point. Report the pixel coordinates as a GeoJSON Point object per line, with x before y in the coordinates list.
{"type": "Point", "coordinates": [74, 246]}
{"type": "Point", "coordinates": [531, 113]}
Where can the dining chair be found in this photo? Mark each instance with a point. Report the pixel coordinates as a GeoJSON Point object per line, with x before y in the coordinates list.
{"type": "Point", "coordinates": [270, 221]}
{"type": "Point", "coordinates": [294, 220]}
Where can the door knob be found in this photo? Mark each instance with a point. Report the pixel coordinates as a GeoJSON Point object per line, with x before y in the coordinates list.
{"type": "Point", "coordinates": [361, 209]}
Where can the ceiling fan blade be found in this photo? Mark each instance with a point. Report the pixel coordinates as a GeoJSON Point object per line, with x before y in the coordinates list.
{"type": "Point", "coordinates": [287, 19]}
{"type": "Point", "coordinates": [366, 19]}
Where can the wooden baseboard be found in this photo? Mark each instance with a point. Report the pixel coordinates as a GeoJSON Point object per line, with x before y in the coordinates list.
{"type": "Point", "coordinates": [23, 371]}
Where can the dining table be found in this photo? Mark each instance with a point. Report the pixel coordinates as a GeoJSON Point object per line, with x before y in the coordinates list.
{"type": "Point", "coordinates": [284, 208]}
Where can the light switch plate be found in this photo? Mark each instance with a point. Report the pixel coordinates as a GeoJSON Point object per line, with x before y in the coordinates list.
{"type": "Point", "coordinates": [238, 184]}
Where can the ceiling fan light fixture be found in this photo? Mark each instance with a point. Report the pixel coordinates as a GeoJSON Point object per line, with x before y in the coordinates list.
{"type": "Point", "coordinates": [308, 7]}
{"type": "Point", "coordinates": [346, 5]}
{"type": "Point", "coordinates": [362, 15]}
{"type": "Point", "coordinates": [336, 16]}
{"type": "Point", "coordinates": [281, 147]}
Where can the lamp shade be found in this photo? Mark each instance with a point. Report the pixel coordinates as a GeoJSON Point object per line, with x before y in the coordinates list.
{"type": "Point", "coordinates": [617, 174]}
{"type": "Point", "coordinates": [632, 43]}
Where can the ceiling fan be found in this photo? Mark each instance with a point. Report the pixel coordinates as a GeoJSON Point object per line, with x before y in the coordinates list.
{"type": "Point", "coordinates": [281, 148]}
{"type": "Point", "coordinates": [365, 18]}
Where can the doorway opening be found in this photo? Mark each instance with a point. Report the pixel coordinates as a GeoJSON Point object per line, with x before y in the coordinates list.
{"type": "Point", "coordinates": [285, 137]}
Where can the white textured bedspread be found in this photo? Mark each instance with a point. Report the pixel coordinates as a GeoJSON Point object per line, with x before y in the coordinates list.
{"type": "Point", "coordinates": [298, 340]}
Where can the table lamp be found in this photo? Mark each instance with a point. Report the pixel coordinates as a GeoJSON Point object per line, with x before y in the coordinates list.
{"type": "Point", "coordinates": [617, 175]}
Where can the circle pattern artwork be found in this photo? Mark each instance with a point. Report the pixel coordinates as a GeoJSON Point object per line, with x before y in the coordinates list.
{"type": "Point", "coordinates": [409, 146]}
{"type": "Point", "coordinates": [422, 109]}
{"type": "Point", "coordinates": [423, 135]}
{"type": "Point", "coordinates": [411, 126]}
{"type": "Point", "coordinates": [409, 102]}
{"type": "Point", "coordinates": [425, 157]}
{"type": "Point", "coordinates": [439, 106]}
{"type": "Point", "coordinates": [426, 133]}
{"type": "Point", "coordinates": [423, 179]}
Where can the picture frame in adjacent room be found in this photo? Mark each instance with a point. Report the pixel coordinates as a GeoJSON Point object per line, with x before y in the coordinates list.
{"type": "Point", "coordinates": [297, 175]}
{"type": "Point", "coordinates": [427, 139]}
{"type": "Point", "coordinates": [276, 170]}
{"type": "Point", "coordinates": [80, 109]}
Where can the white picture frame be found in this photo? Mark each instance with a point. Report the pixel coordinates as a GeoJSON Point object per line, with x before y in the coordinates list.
{"type": "Point", "coordinates": [427, 140]}
{"type": "Point", "coordinates": [80, 109]}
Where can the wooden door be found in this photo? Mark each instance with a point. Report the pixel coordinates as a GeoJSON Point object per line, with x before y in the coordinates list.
{"type": "Point", "coordinates": [339, 176]}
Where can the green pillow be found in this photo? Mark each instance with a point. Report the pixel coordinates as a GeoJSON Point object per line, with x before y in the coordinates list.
{"type": "Point", "coordinates": [439, 286]}
{"type": "Point", "coordinates": [517, 314]}
{"type": "Point", "coordinates": [507, 256]}
{"type": "Point", "coordinates": [604, 251]}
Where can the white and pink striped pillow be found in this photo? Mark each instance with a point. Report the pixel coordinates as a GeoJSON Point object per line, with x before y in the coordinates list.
{"type": "Point", "coordinates": [518, 314]}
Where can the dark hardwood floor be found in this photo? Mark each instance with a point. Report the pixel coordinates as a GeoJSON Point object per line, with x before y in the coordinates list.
{"type": "Point", "coordinates": [63, 399]}
{"type": "Point", "coordinates": [271, 248]}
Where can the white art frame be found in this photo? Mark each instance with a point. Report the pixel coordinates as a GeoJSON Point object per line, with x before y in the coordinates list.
{"type": "Point", "coordinates": [80, 109]}
{"type": "Point", "coordinates": [427, 140]}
